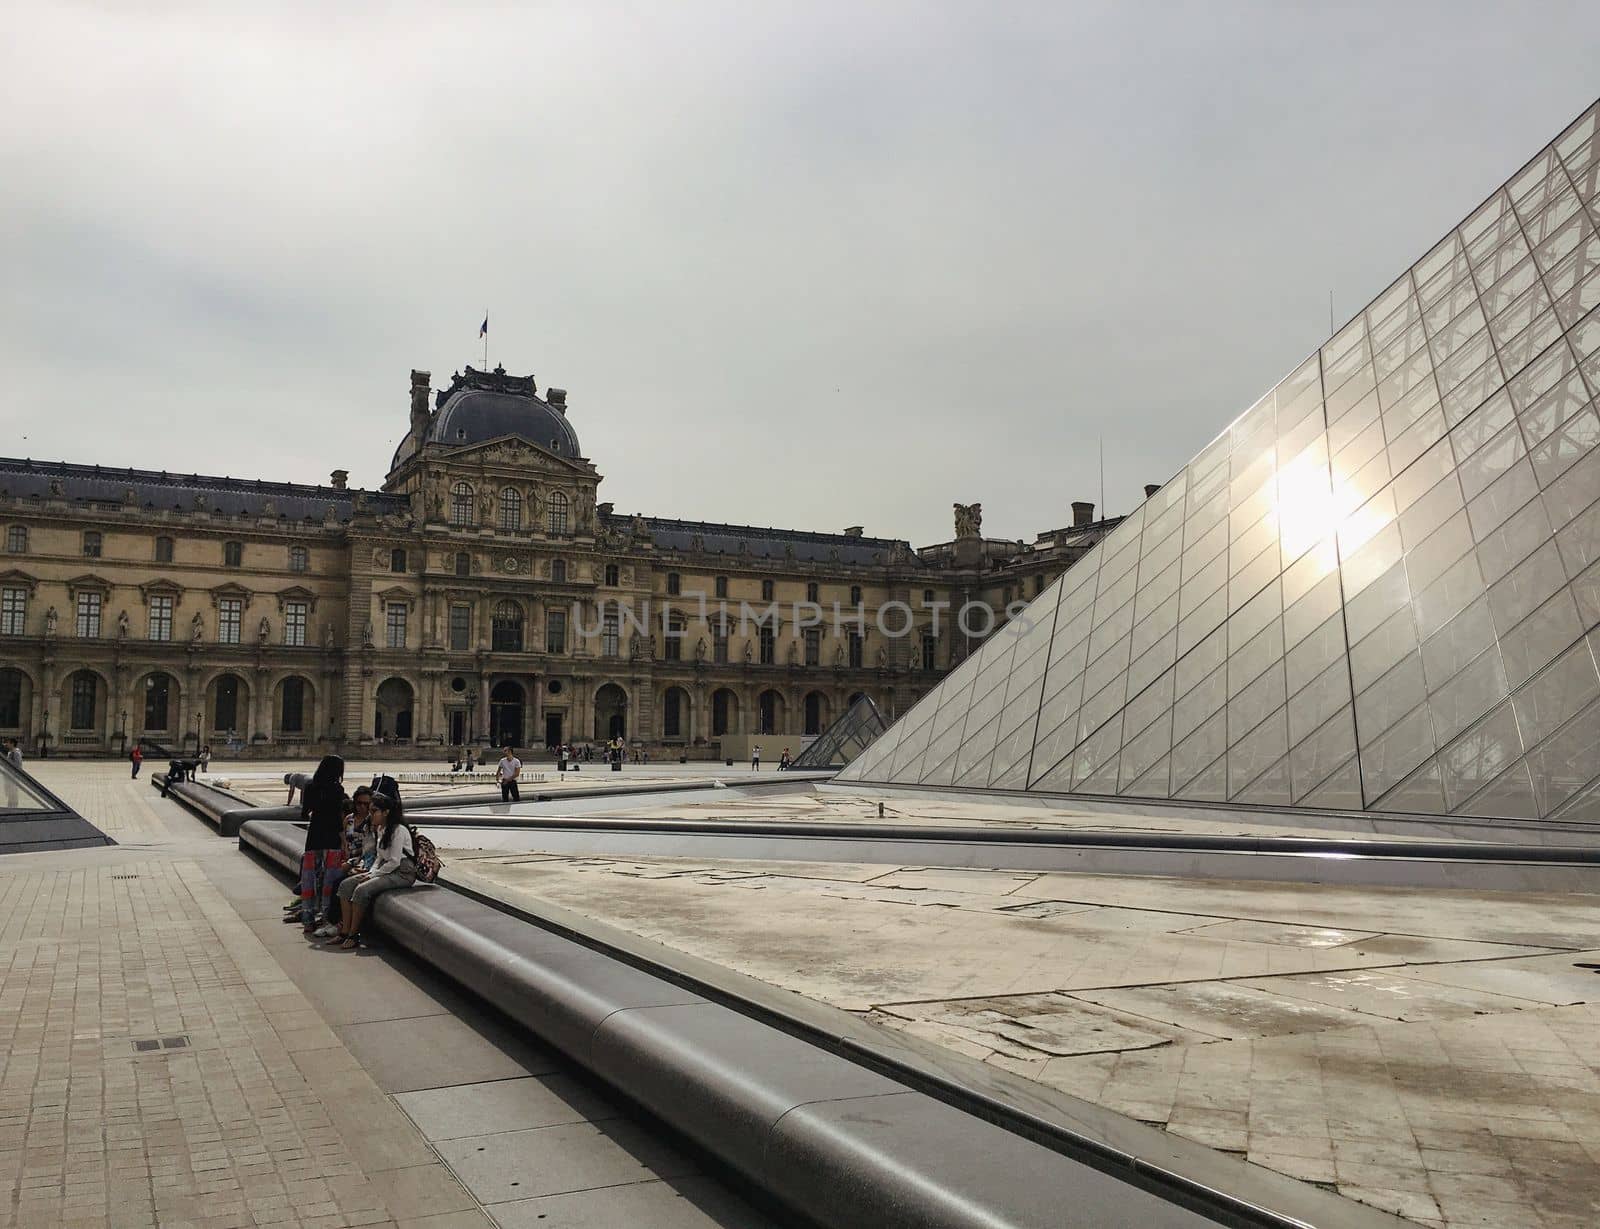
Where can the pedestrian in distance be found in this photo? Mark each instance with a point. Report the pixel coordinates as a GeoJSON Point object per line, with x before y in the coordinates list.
{"type": "Point", "coordinates": [507, 772]}
{"type": "Point", "coordinates": [755, 758]}
{"type": "Point", "coordinates": [136, 758]}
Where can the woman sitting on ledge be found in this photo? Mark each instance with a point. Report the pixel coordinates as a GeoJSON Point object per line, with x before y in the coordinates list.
{"type": "Point", "coordinates": [395, 867]}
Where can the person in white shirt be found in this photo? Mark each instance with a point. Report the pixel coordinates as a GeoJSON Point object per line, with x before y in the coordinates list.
{"type": "Point", "coordinates": [755, 758]}
{"type": "Point", "coordinates": [395, 867]}
{"type": "Point", "coordinates": [509, 770]}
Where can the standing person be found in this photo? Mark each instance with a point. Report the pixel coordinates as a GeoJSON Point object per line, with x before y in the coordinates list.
{"type": "Point", "coordinates": [14, 758]}
{"type": "Point", "coordinates": [14, 754]}
{"type": "Point", "coordinates": [783, 761]}
{"type": "Point", "coordinates": [205, 758]}
{"type": "Point", "coordinates": [755, 757]}
{"type": "Point", "coordinates": [322, 806]}
{"type": "Point", "coordinates": [507, 772]}
{"type": "Point", "coordinates": [136, 756]}
{"type": "Point", "coordinates": [395, 867]}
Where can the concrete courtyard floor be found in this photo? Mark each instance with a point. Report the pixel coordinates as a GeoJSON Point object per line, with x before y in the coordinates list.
{"type": "Point", "coordinates": [278, 1082]}
{"type": "Point", "coordinates": [1431, 1053]}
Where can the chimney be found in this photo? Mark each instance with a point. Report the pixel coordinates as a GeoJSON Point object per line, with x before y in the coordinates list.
{"type": "Point", "coordinates": [1082, 512]}
{"type": "Point", "coordinates": [854, 531]}
{"type": "Point", "coordinates": [1150, 488]}
{"type": "Point", "coordinates": [340, 479]}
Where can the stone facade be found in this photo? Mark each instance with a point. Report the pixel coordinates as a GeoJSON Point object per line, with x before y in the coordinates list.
{"type": "Point", "coordinates": [483, 592]}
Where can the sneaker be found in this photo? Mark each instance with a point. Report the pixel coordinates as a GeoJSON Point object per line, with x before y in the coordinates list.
{"type": "Point", "coordinates": [291, 919]}
{"type": "Point", "coordinates": [326, 932]}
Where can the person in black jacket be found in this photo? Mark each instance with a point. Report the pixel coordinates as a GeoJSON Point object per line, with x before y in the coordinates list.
{"type": "Point", "coordinates": [322, 806]}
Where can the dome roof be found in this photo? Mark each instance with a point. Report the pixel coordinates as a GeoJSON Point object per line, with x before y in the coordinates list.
{"type": "Point", "coordinates": [487, 405]}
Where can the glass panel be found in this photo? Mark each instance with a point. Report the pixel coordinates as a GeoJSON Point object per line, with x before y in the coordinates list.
{"type": "Point", "coordinates": [1399, 691]}
{"type": "Point", "coordinates": [1198, 750]}
{"type": "Point", "coordinates": [1467, 696]}
{"type": "Point", "coordinates": [1148, 704]}
{"type": "Point", "coordinates": [1510, 796]}
{"type": "Point", "coordinates": [1527, 586]}
{"type": "Point", "coordinates": [1319, 700]}
{"type": "Point", "coordinates": [1443, 551]}
{"type": "Point", "coordinates": [1420, 793]}
{"type": "Point", "coordinates": [1393, 756]}
{"type": "Point", "coordinates": [1257, 751]}
{"type": "Point", "coordinates": [1154, 784]}
{"type": "Point", "coordinates": [1094, 764]}
{"type": "Point", "coordinates": [1534, 642]}
{"type": "Point", "coordinates": [1271, 788]}
{"type": "Point", "coordinates": [1506, 493]}
{"type": "Point", "coordinates": [1311, 611]}
{"type": "Point", "coordinates": [1256, 702]}
{"type": "Point", "coordinates": [1208, 786]}
{"type": "Point", "coordinates": [1315, 653]}
{"type": "Point", "coordinates": [1480, 755]}
{"type": "Point", "coordinates": [1325, 749]}
{"type": "Point", "coordinates": [1144, 751]}
{"type": "Point", "coordinates": [1341, 791]}
{"type": "Point", "coordinates": [1555, 696]}
{"type": "Point", "coordinates": [1567, 762]}
{"type": "Point", "coordinates": [1458, 642]}
{"type": "Point", "coordinates": [1376, 602]}
{"type": "Point", "coordinates": [1579, 541]}
{"type": "Point", "coordinates": [1575, 438]}
{"type": "Point", "coordinates": [1514, 540]}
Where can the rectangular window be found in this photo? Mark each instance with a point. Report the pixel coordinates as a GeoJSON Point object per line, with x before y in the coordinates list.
{"type": "Point", "coordinates": [233, 554]}
{"type": "Point", "coordinates": [299, 559]}
{"type": "Point", "coordinates": [91, 544]}
{"type": "Point", "coordinates": [672, 650]}
{"type": "Point", "coordinates": [13, 612]}
{"type": "Point", "coordinates": [163, 550]}
{"type": "Point", "coordinates": [858, 647]}
{"type": "Point", "coordinates": [719, 641]}
{"type": "Point", "coordinates": [230, 616]}
{"type": "Point", "coordinates": [460, 628]}
{"type": "Point", "coordinates": [813, 591]}
{"type": "Point", "coordinates": [555, 631]}
{"type": "Point", "coordinates": [674, 584]}
{"type": "Point", "coordinates": [612, 574]}
{"type": "Point", "coordinates": [767, 641]}
{"type": "Point", "coordinates": [10, 699]}
{"type": "Point", "coordinates": [17, 539]}
{"type": "Point", "coordinates": [722, 586]}
{"type": "Point", "coordinates": [813, 646]}
{"type": "Point", "coordinates": [610, 634]}
{"type": "Point", "coordinates": [930, 652]}
{"type": "Point", "coordinates": [395, 625]}
{"type": "Point", "coordinates": [766, 590]}
{"type": "Point", "coordinates": [89, 616]}
{"type": "Point", "coordinates": [855, 595]}
{"type": "Point", "coordinates": [927, 597]}
{"type": "Point", "coordinates": [294, 624]}
{"type": "Point", "coordinates": [161, 616]}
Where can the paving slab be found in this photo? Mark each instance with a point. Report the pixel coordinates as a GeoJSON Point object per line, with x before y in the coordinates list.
{"type": "Point", "coordinates": [681, 1203]}
{"type": "Point", "coordinates": [439, 1051]}
{"type": "Point", "coordinates": [579, 1156]}
{"type": "Point", "coordinates": [504, 1105]}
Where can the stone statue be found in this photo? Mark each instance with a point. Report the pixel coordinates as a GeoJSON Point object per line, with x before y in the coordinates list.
{"type": "Point", "coordinates": [636, 646]}
{"type": "Point", "coordinates": [197, 628]}
{"type": "Point", "coordinates": [969, 520]}
{"type": "Point", "coordinates": [366, 635]}
{"type": "Point", "coordinates": [883, 658]}
{"type": "Point", "coordinates": [838, 656]}
{"type": "Point", "coordinates": [748, 655]}
{"type": "Point", "coordinates": [122, 625]}
{"type": "Point", "coordinates": [585, 508]}
{"type": "Point", "coordinates": [264, 630]}
{"type": "Point", "coordinates": [794, 653]}
{"type": "Point", "coordinates": [327, 635]}
{"type": "Point", "coordinates": [700, 649]}
{"type": "Point", "coordinates": [50, 618]}
{"type": "Point", "coordinates": [650, 645]}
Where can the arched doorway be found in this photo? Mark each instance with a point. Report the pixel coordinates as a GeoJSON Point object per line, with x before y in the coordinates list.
{"type": "Point", "coordinates": [610, 713]}
{"type": "Point", "coordinates": [16, 704]}
{"type": "Point", "coordinates": [159, 692]}
{"type": "Point", "coordinates": [294, 707]}
{"type": "Point", "coordinates": [724, 712]}
{"type": "Point", "coordinates": [816, 706]}
{"type": "Point", "coordinates": [228, 704]}
{"type": "Point", "coordinates": [769, 706]}
{"type": "Point", "coordinates": [506, 699]}
{"type": "Point", "coordinates": [393, 718]}
{"type": "Point", "coordinates": [675, 713]}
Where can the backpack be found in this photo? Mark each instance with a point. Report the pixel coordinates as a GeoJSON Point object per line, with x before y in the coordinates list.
{"type": "Point", "coordinates": [424, 855]}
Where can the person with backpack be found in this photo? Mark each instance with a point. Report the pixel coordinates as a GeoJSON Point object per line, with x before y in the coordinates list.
{"type": "Point", "coordinates": [396, 866]}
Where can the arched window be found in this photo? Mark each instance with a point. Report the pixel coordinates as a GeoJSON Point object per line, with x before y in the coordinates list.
{"type": "Point", "coordinates": [85, 701]}
{"type": "Point", "coordinates": [225, 709]}
{"type": "Point", "coordinates": [157, 701]}
{"type": "Point", "coordinates": [463, 563]}
{"type": "Point", "coordinates": [461, 504]}
{"type": "Point", "coordinates": [292, 712]}
{"type": "Point", "coordinates": [299, 559]}
{"type": "Point", "coordinates": [163, 549]}
{"type": "Point", "coordinates": [558, 570]}
{"type": "Point", "coordinates": [556, 514]}
{"type": "Point", "coordinates": [506, 627]}
{"type": "Point", "coordinates": [510, 510]}
{"type": "Point", "coordinates": [813, 712]}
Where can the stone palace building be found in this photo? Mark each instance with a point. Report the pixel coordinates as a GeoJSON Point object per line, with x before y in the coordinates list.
{"type": "Point", "coordinates": [485, 593]}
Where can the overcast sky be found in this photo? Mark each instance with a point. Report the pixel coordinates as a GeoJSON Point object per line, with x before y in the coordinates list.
{"type": "Point", "coordinates": [807, 265]}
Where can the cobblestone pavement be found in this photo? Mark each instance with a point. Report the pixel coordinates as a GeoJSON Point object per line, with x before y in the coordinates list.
{"type": "Point", "coordinates": [1430, 1053]}
{"type": "Point", "coordinates": [172, 1055]}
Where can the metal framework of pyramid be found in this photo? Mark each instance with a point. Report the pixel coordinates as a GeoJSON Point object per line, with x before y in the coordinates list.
{"type": "Point", "coordinates": [1378, 589]}
{"type": "Point", "coordinates": [856, 729]}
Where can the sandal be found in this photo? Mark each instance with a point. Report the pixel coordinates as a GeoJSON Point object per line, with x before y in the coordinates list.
{"type": "Point", "coordinates": [350, 944]}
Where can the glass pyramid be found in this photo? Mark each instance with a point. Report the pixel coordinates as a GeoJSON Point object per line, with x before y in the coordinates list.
{"type": "Point", "coordinates": [1378, 589]}
{"type": "Point", "coordinates": [856, 729]}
